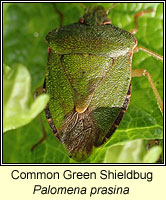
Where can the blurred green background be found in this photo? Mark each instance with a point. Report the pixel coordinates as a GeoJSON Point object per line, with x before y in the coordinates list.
{"type": "Point", "coordinates": [25, 26]}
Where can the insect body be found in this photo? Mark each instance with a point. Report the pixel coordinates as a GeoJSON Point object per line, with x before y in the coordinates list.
{"type": "Point", "coordinates": [88, 79]}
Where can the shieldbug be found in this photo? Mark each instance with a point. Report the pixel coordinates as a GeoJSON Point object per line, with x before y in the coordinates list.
{"type": "Point", "coordinates": [88, 78]}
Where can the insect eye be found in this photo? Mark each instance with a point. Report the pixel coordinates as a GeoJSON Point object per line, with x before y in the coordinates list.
{"type": "Point", "coordinates": [81, 20]}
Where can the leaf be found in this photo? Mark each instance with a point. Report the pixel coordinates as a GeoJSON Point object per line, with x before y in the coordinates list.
{"type": "Point", "coordinates": [26, 26]}
{"type": "Point", "coordinates": [132, 152]}
{"type": "Point", "coordinates": [17, 110]}
{"type": "Point", "coordinates": [18, 143]}
{"type": "Point", "coordinates": [153, 155]}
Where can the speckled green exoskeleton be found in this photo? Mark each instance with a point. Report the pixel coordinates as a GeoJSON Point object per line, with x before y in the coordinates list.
{"type": "Point", "coordinates": [88, 79]}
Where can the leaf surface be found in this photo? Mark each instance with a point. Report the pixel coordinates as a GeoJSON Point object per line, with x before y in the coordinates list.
{"type": "Point", "coordinates": [17, 108]}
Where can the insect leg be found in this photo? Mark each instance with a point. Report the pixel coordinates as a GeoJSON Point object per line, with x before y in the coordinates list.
{"type": "Point", "coordinates": [143, 72]}
{"type": "Point", "coordinates": [37, 92]}
{"type": "Point", "coordinates": [43, 137]}
{"type": "Point", "coordinates": [134, 31]}
{"type": "Point", "coordinates": [61, 17]}
{"type": "Point", "coordinates": [155, 55]}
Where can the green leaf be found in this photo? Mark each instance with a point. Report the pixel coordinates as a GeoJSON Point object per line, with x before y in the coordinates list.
{"type": "Point", "coordinates": [26, 26]}
{"type": "Point", "coordinates": [17, 110]}
{"type": "Point", "coordinates": [133, 152]}
{"type": "Point", "coordinates": [152, 155]}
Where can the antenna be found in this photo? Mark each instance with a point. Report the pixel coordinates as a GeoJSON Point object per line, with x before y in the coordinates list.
{"type": "Point", "coordinates": [113, 6]}
{"type": "Point", "coordinates": [83, 6]}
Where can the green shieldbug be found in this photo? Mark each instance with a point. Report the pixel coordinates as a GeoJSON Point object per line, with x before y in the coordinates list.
{"type": "Point", "coordinates": [88, 79]}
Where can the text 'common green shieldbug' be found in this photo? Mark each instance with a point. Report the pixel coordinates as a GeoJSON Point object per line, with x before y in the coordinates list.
{"type": "Point", "coordinates": [88, 79]}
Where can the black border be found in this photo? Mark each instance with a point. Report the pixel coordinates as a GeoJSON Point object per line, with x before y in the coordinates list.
{"type": "Point", "coordinates": [80, 164]}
